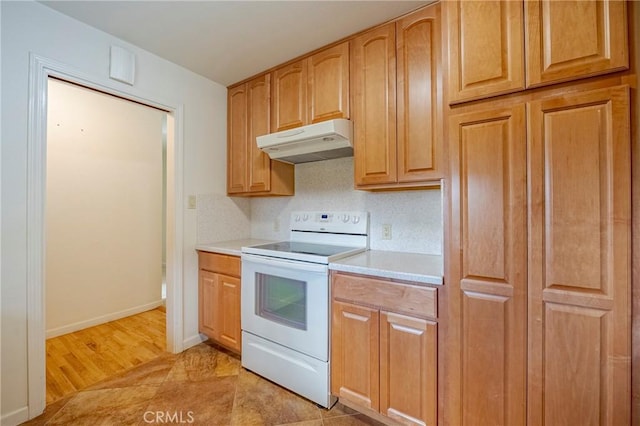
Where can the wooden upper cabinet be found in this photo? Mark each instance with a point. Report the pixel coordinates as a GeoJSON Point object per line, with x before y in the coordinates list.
{"type": "Point", "coordinates": [289, 96]}
{"type": "Point", "coordinates": [489, 44]}
{"type": "Point", "coordinates": [418, 101]}
{"type": "Point", "coordinates": [580, 251]}
{"type": "Point", "coordinates": [258, 92]}
{"type": "Point", "coordinates": [312, 89]}
{"type": "Point", "coordinates": [396, 97]}
{"type": "Point", "coordinates": [373, 85]}
{"type": "Point", "coordinates": [237, 140]}
{"type": "Point", "coordinates": [249, 170]}
{"type": "Point", "coordinates": [572, 39]}
{"type": "Point", "coordinates": [328, 88]}
{"type": "Point", "coordinates": [486, 48]}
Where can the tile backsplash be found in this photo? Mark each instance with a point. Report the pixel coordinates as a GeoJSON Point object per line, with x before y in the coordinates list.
{"type": "Point", "coordinates": [415, 216]}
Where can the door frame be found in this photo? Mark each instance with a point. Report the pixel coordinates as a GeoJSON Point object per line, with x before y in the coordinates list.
{"type": "Point", "coordinates": [40, 69]}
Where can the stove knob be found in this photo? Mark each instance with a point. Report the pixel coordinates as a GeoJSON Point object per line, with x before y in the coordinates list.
{"type": "Point", "coordinates": [356, 219]}
{"type": "Point", "coordinates": [297, 218]}
{"type": "Point", "coordinates": [345, 218]}
{"type": "Point", "coordinates": [305, 217]}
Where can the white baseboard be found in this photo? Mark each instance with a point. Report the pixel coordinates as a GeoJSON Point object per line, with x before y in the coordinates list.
{"type": "Point", "coordinates": [16, 417]}
{"type": "Point", "coordinates": [193, 340]}
{"type": "Point", "coordinates": [70, 328]}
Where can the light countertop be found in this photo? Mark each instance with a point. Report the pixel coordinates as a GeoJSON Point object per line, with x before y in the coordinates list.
{"type": "Point", "coordinates": [421, 268]}
{"type": "Point", "coordinates": [416, 267]}
{"type": "Point", "coordinates": [231, 247]}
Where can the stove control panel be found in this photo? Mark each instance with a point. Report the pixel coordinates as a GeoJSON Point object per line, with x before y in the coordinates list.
{"type": "Point", "coordinates": [349, 222]}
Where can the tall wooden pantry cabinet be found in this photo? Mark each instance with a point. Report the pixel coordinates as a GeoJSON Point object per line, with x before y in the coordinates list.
{"type": "Point", "coordinates": [539, 266]}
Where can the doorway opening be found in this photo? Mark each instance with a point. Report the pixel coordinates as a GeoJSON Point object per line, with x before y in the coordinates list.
{"type": "Point", "coordinates": [40, 70]}
{"type": "Point", "coordinates": [105, 239]}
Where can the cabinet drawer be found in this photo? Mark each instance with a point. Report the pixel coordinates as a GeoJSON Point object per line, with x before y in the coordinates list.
{"type": "Point", "coordinates": [229, 265]}
{"type": "Point", "coordinates": [386, 295]}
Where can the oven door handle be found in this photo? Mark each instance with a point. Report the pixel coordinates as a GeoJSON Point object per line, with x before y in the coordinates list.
{"type": "Point", "coordinates": [285, 263]}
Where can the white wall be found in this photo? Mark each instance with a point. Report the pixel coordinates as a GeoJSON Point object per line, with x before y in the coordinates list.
{"type": "Point", "coordinates": [104, 208]}
{"type": "Point", "coordinates": [31, 27]}
{"type": "Point", "coordinates": [415, 216]}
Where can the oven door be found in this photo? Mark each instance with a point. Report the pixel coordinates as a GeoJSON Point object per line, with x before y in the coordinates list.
{"type": "Point", "coordinates": [287, 302]}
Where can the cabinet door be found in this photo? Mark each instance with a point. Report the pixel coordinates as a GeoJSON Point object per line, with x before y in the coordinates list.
{"type": "Point", "coordinates": [408, 369]}
{"type": "Point", "coordinates": [487, 311]}
{"type": "Point", "coordinates": [258, 95]}
{"type": "Point", "coordinates": [237, 139]}
{"type": "Point", "coordinates": [355, 354]}
{"type": "Point", "coordinates": [228, 308]}
{"type": "Point", "coordinates": [567, 40]}
{"type": "Point", "coordinates": [207, 304]}
{"type": "Point", "coordinates": [373, 73]}
{"type": "Point", "coordinates": [289, 97]}
{"type": "Point", "coordinates": [486, 45]}
{"type": "Point", "coordinates": [418, 85]}
{"type": "Point", "coordinates": [579, 261]}
{"type": "Point", "coordinates": [328, 86]}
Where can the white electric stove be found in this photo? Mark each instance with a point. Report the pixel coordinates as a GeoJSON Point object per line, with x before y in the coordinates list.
{"type": "Point", "coordinates": [286, 300]}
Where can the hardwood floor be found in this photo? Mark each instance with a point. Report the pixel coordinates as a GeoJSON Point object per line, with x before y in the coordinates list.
{"type": "Point", "coordinates": [78, 360]}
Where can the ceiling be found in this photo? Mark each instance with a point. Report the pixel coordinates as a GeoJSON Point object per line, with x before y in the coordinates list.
{"type": "Point", "coordinates": [228, 41]}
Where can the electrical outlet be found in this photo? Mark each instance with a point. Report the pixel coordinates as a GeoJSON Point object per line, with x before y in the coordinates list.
{"type": "Point", "coordinates": [386, 231]}
{"type": "Point", "coordinates": [191, 202]}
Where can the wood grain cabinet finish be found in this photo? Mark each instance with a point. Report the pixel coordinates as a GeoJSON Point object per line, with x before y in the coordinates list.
{"type": "Point", "coordinates": [250, 171]}
{"type": "Point", "coordinates": [396, 85]}
{"type": "Point", "coordinates": [487, 316]}
{"type": "Point", "coordinates": [579, 259]}
{"type": "Point", "coordinates": [355, 372]}
{"type": "Point", "coordinates": [373, 85]}
{"type": "Point", "coordinates": [289, 96]}
{"type": "Point", "coordinates": [328, 84]}
{"type": "Point", "coordinates": [486, 48]}
{"type": "Point", "coordinates": [219, 299]}
{"type": "Point", "coordinates": [567, 40]}
{"type": "Point", "coordinates": [498, 47]}
{"type": "Point", "coordinates": [539, 325]}
{"type": "Point", "coordinates": [381, 360]}
{"type": "Point", "coordinates": [313, 89]}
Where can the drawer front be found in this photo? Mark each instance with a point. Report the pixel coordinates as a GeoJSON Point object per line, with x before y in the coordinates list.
{"type": "Point", "coordinates": [386, 295]}
{"type": "Point", "coordinates": [222, 263]}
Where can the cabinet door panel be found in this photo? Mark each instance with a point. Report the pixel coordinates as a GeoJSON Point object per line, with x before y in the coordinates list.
{"type": "Point", "coordinates": [237, 140]}
{"type": "Point", "coordinates": [486, 43]}
{"type": "Point", "coordinates": [289, 96]}
{"type": "Point", "coordinates": [579, 285]}
{"type": "Point", "coordinates": [489, 208]}
{"type": "Point", "coordinates": [258, 92]}
{"type": "Point", "coordinates": [418, 63]}
{"type": "Point", "coordinates": [329, 84]}
{"type": "Point", "coordinates": [208, 301]}
{"type": "Point", "coordinates": [355, 354]}
{"type": "Point", "coordinates": [229, 312]}
{"type": "Point", "coordinates": [373, 71]}
{"type": "Point", "coordinates": [408, 369]}
{"type": "Point", "coordinates": [567, 40]}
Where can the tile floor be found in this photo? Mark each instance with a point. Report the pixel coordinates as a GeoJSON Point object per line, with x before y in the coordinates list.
{"type": "Point", "coordinates": [201, 386]}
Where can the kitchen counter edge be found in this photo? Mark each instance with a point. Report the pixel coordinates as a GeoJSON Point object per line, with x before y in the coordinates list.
{"type": "Point", "coordinates": [231, 247]}
{"type": "Point", "coordinates": [416, 267]}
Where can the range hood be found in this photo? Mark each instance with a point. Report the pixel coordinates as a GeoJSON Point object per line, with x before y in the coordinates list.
{"type": "Point", "coordinates": [315, 142]}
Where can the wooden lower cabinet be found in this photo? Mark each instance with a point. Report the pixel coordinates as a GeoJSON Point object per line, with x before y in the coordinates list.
{"type": "Point", "coordinates": [383, 361]}
{"type": "Point", "coordinates": [219, 299]}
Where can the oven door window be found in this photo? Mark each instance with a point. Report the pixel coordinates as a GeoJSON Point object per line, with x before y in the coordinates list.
{"type": "Point", "coordinates": [282, 300]}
